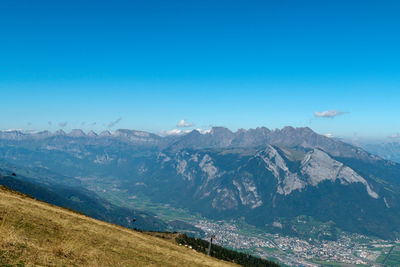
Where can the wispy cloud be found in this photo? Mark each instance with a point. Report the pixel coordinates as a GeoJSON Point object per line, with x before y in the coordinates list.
{"type": "Point", "coordinates": [329, 135]}
{"type": "Point", "coordinates": [395, 136]}
{"type": "Point", "coordinates": [63, 124]}
{"type": "Point", "coordinates": [50, 123]}
{"type": "Point", "coordinates": [181, 131]}
{"type": "Point", "coordinates": [113, 123]}
{"type": "Point", "coordinates": [171, 132]}
{"type": "Point", "coordinates": [174, 131]}
{"type": "Point", "coordinates": [183, 124]}
{"type": "Point", "coordinates": [328, 113]}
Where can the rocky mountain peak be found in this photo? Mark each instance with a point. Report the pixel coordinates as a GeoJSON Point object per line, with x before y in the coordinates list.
{"type": "Point", "coordinates": [220, 137]}
{"type": "Point", "coordinates": [12, 134]}
{"type": "Point", "coordinates": [60, 132]}
{"type": "Point", "coordinates": [220, 131]}
{"type": "Point", "coordinates": [105, 133]}
{"type": "Point", "coordinates": [77, 133]}
{"type": "Point", "coordinates": [91, 134]}
{"type": "Point", "coordinates": [193, 133]}
{"type": "Point", "coordinates": [288, 130]}
{"type": "Point", "coordinates": [133, 134]}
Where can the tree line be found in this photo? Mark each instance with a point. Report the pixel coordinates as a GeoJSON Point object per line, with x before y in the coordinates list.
{"type": "Point", "coordinates": [222, 253]}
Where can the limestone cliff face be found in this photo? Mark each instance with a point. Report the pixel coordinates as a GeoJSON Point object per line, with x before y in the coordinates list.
{"type": "Point", "coordinates": [232, 187]}
{"type": "Point", "coordinates": [319, 166]}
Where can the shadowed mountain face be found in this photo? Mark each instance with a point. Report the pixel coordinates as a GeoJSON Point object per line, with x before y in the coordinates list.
{"type": "Point", "coordinates": [86, 202]}
{"type": "Point", "coordinates": [266, 176]}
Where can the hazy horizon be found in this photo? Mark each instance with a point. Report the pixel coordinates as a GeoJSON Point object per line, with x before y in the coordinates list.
{"type": "Point", "coordinates": [148, 65]}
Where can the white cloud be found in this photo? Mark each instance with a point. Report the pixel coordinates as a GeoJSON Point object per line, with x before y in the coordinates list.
{"type": "Point", "coordinates": [181, 131]}
{"type": "Point", "coordinates": [329, 135]}
{"type": "Point", "coordinates": [63, 124]}
{"type": "Point", "coordinates": [183, 123]}
{"type": "Point", "coordinates": [113, 123]}
{"type": "Point", "coordinates": [13, 130]}
{"type": "Point", "coordinates": [328, 113]}
{"type": "Point", "coordinates": [395, 136]}
{"type": "Point", "coordinates": [203, 131]}
{"type": "Point", "coordinates": [174, 132]}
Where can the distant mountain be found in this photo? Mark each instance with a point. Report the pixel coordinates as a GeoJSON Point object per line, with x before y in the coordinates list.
{"type": "Point", "coordinates": [220, 137]}
{"type": "Point", "coordinates": [92, 134]}
{"type": "Point", "coordinates": [268, 177]}
{"type": "Point", "coordinates": [388, 150]}
{"type": "Point", "coordinates": [77, 133]}
{"type": "Point", "coordinates": [105, 133]}
{"type": "Point", "coordinates": [217, 137]}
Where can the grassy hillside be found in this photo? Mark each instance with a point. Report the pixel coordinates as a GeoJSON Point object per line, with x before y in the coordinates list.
{"type": "Point", "coordinates": [86, 202]}
{"type": "Point", "coordinates": [37, 233]}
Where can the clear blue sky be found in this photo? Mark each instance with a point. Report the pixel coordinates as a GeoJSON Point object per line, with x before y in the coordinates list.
{"type": "Point", "coordinates": [238, 64]}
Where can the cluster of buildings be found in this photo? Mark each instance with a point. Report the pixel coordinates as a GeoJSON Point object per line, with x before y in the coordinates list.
{"type": "Point", "coordinates": [228, 235]}
{"type": "Point", "coordinates": [348, 248]}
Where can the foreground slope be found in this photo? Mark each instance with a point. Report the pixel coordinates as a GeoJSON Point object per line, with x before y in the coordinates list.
{"type": "Point", "coordinates": [36, 233]}
{"type": "Point", "coordinates": [84, 201]}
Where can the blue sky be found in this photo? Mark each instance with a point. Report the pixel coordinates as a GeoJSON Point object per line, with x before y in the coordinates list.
{"type": "Point", "coordinates": [239, 64]}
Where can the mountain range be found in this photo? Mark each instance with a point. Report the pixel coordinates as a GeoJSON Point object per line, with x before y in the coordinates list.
{"type": "Point", "coordinates": [270, 178]}
{"type": "Point", "coordinates": [386, 150]}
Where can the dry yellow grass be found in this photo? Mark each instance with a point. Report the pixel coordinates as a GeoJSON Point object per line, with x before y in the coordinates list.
{"type": "Point", "coordinates": [33, 233]}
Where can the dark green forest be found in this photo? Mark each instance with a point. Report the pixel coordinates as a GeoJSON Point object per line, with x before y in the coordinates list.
{"type": "Point", "coordinates": [219, 252]}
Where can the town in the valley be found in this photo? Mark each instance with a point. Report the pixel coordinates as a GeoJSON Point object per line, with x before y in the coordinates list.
{"type": "Point", "coordinates": [348, 249]}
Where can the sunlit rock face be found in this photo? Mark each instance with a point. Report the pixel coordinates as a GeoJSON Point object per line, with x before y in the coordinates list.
{"type": "Point", "coordinates": [319, 166]}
